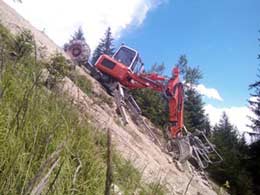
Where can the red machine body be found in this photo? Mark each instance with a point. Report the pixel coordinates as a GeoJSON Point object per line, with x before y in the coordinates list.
{"type": "Point", "coordinates": [126, 67]}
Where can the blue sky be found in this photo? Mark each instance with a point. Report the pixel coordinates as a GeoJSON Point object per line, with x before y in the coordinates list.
{"type": "Point", "coordinates": [218, 36]}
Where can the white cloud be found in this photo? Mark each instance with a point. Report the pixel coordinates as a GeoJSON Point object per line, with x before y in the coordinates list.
{"type": "Point", "coordinates": [61, 18]}
{"type": "Point", "coordinates": [238, 116]}
{"type": "Point", "coordinates": [208, 92]}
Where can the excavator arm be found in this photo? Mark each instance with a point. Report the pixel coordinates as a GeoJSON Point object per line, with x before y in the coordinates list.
{"type": "Point", "coordinates": [171, 89]}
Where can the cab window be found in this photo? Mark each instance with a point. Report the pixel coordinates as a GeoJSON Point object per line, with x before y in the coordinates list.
{"type": "Point", "coordinates": [125, 56]}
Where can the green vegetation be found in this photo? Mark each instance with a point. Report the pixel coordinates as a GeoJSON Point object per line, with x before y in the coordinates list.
{"type": "Point", "coordinates": [44, 145]}
{"type": "Point", "coordinates": [241, 161]}
{"type": "Point", "coordinates": [253, 165]}
{"type": "Point", "coordinates": [194, 114]}
{"type": "Point", "coordinates": [155, 107]}
{"type": "Point", "coordinates": [234, 152]}
{"type": "Point", "coordinates": [152, 103]}
{"type": "Point", "coordinates": [241, 166]}
{"type": "Point", "coordinates": [255, 102]}
{"type": "Point", "coordinates": [82, 82]}
{"type": "Point", "coordinates": [129, 179]}
{"type": "Point", "coordinates": [41, 131]}
{"type": "Point", "coordinates": [105, 46]}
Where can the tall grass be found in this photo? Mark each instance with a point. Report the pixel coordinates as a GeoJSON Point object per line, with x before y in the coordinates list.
{"type": "Point", "coordinates": [38, 128]}
{"type": "Point", "coordinates": [45, 147]}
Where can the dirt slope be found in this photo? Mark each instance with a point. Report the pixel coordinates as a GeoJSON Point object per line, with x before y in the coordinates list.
{"type": "Point", "coordinates": [128, 140]}
{"type": "Point", "coordinates": [133, 144]}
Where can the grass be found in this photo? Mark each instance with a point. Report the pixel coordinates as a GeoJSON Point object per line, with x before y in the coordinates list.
{"type": "Point", "coordinates": [82, 82]}
{"type": "Point", "coordinates": [44, 145]}
{"type": "Point", "coordinates": [129, 179]}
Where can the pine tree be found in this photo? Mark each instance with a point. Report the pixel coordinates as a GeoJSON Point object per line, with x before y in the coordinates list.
{"type": "Point", "coordinates": [78, 35]}
{"type": "Point", "coordinates": [233, 150]}
{"type": "Point", "coordinates": [105, 46]}
{"type": "Point", "coordinates": [253, 164]}
{"type": "Point", "coordinates": [194, 114]}
{"type": "Point", "coordinates": [153, 105]}
{"type": "Point", "coordinates": [254, 102]}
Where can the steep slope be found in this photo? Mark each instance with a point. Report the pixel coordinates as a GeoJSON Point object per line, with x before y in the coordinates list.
{"type": "Point", "coordinates": [132, 143]}
{"type": "Point", "coordinates": [129, 140]}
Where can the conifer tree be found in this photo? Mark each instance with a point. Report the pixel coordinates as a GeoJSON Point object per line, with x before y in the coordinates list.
{"type": "Point", "coordinates": [254, 165]}
{"type": "Point", "coordinates": [233, 150]}
{"type": "Point", "coordinates": [153, 105]}
{"type": "Point", "coordinates": [78, 35]}
{"type": "Point", "coordinates": [194, 114]}
{"type": "Point", "coordinates": [254, 148]}
{"type": "Point", "coordinates": [254, 102]}
{"type": "Point", "coordinates": [105, 46]}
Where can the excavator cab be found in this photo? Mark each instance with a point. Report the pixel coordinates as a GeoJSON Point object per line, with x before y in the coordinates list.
{"type": "Point", "coordinates": [124, 62]}
{"type": "Point", "coordinates": [130, 58]}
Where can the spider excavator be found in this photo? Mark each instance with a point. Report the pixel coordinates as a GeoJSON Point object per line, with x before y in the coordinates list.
{"type": "Point", "coordinates": [124, 71]}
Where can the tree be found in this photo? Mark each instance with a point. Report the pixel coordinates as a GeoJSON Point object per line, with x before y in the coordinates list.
{"type": "Point", "coordinates": [234, 153]}
{"type": "Point", "coordinates": [157, 68]}
{"type": "Point", "coordinates": [254, 102]}
{"type": "Point", "coordinates": [153, 105]}
{"type": "Point", "coordinates": [78, 35]}
{"type": "Point", "coordinates": [253, 164]}
{"type": "Point", "coordinates": [194, 114]}
{"type": "Point", "coordinates": [105, 46]}
{"type": "Point", "coordinates": [191, 75]}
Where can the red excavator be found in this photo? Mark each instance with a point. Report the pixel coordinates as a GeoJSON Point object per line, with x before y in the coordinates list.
{"type": "Point", "coordinates": [124, 71]}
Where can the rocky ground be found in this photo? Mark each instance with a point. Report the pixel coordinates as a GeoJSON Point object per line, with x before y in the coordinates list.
{"type": "Point", "coordinates": [129, 140]}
